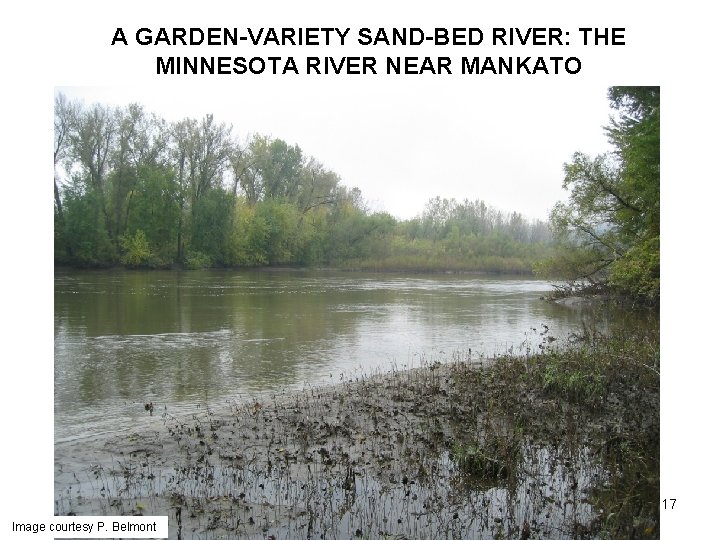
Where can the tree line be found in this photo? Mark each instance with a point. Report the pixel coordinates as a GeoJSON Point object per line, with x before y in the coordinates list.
{"type": "Point", "coordinates": [609, 228]}
{"type": "Point", "coordinates": [133, 189]}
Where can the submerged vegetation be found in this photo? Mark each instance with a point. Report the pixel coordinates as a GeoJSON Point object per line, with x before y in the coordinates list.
{"type": "Point", "coordinates": [559, 444]}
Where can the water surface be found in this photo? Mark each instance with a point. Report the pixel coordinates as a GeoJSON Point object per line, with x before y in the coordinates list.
{"type": "Point", "coordinates": [181, 339]}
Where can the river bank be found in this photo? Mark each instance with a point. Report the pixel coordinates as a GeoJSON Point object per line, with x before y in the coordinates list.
{"type": "Point", "coordinates": [563, 444]}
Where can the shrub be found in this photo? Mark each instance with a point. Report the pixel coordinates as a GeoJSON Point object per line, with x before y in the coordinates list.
{"type": "Point", "coordinates": [195, 260]}
{"type": "Point", "coordinates": [136, 250]}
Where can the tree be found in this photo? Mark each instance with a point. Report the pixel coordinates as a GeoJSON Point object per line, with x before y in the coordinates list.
{"type": "Point", "coordinates": [66, 117]}
{"type": "Point", "coordinates": [318, 187]}
{"type": "Point", "coordinates": [281, 170]}
{"type": "Point", "coordinates": [610, 225]}
{"type": "Point", "coordinates": [92, 144]}
{"type": "Point", "coordinates": [84, 232]}
{"type": "Point", "coordinates": [140, 143]}
{"type": "Point", "coordinates": [154, 209]}
{"type": "Point", "coordinates": [136, 249]}
{"type": "Point", "coordinates": [133, 189]}
{"type": "Point", "coordinates": [269, 168]}
{"type": "Point", "coordinates": [211, 224]}
{"type": "Point", "coordinates": [201, 154]}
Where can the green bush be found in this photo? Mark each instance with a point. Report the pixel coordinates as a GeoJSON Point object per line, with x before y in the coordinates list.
{"type": "Point", "coordinates": [638, 272]}
{"type": "Point", "coordinates": [195, 260]}
{"type": "Point", "coordinates": [136, 250]}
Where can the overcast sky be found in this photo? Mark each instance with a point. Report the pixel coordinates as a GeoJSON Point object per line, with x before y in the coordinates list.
{"type": "Point", "coordinates": [401, 139]}
{"type": "Point", "coordinates": [408, 140]}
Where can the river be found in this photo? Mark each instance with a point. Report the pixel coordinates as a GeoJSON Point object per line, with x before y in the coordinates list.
{"type": "Point", "coordinates": [185, 339]}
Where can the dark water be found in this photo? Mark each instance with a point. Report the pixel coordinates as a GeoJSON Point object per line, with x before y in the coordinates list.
{"type": "Point", "coordinates": [181, 339]}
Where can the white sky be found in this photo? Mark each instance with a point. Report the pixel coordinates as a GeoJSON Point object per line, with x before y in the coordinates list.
{"type": "Point", "coordinates": [401, 140]}
{"type": "Point", "coordinates": [408, 140]}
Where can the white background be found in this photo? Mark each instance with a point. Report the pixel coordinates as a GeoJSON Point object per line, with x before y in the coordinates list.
{"type": "Point", "coordinates": [401, 140]}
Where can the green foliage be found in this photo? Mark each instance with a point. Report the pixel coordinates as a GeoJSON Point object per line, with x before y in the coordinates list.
{"type": "Point", "coordinates": [600, 394]}
{"type": "Point", "coordinates": [248, 238]}
{"type": "Point", "coordinates": [610, 225]}
{"type": "Point", "coordinates": [195, 260]}
{"type": "Point", "coordinates": [84, 231]}
{"type": "Point", "coordinates": [312, 238]}
{"type": "Point", "coordinates": [210, 225]}
{"type": "Point", "coordinates": [274, 233]}
{"type": "Point", "coordinates": [280, 221]}
{"type": "Point", "coordinates": [574, 264]}
{"type": "Point", "coordinates": [202, 199]}
{"type": "Point", "coordinates": [152, 206]}
{"type": "Point", "coordinates": [596, 365]}
{"type": "Point", "coordinates": [639, 270]}
{"type": "Point", "coordinates": [136, 249]}
{"type": "Point", "coordinates": [573, 384]}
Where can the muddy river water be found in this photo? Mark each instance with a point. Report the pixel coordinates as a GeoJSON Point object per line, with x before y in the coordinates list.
{"type": "Point", "coordinates": [178, 339]}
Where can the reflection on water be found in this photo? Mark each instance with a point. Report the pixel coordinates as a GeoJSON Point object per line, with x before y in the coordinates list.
{"type": "Point", "coordinates": [183, 338]}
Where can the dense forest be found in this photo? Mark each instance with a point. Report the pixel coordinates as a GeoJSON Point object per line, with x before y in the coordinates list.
{"type": "Point", "coordinates": [608, 231]}
{"type": "Point", "coordinates": [133, 189]}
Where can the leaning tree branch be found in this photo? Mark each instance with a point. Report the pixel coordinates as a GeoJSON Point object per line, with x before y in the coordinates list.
{"type": "Point", "coordinates": [609, 189]}
{"type": "Point", "coordinates": [599, 239]}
